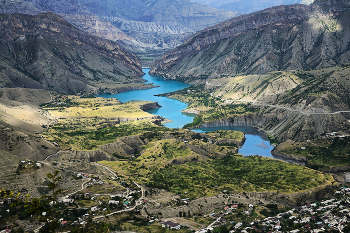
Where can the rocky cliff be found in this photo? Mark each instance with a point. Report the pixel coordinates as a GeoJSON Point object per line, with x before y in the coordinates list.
{"type": "Point", "coordinates": [157, 23]}
{"type": "Point", "coordinates": [47, 52]}
{"type": "Point", "coordinates": [297, 105]}
{"type": "Point", "coordinates": [291, 37]}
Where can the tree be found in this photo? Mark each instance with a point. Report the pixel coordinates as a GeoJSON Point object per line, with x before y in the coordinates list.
{"type": "Point", "coordinates": [53, 184]}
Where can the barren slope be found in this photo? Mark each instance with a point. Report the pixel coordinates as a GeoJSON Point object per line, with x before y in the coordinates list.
{"type": "Point", "coordinates": [47, 52]}
{"type": "Point", "coordinates": [294, 37]}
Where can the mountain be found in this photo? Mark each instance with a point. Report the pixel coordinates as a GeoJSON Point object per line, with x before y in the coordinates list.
{"type": "Point", "coordinates": [245, 7]}
{"type": "Point", "coordinates": [156, 25]}
{"type": "Point", "coordinates": [294, 37]}
{"type": "Point", "coordinates": [151, 26]}
{"type": "Point", "coordinates": [71, 10]}
{"type": "Point", "coordinates": [47, 52]}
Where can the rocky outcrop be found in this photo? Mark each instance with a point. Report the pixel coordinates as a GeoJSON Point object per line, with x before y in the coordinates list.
{"type": "Point", "coordinates": [150, 106]}
{"type": "Point", "coordinates": [47, 52]}
{"type": "Point", "coordinates": [82, 156]}
{"type": "Point", "coordinates": [284, 124]}
{"type": "Point", "coordinates": [291, 37]}
{"type": "Point", "coordinates": [124, 147]}
{"type": "Point", "coordinates": [127, 88]}
{"type": "Point", "coordinates": [277, 153]}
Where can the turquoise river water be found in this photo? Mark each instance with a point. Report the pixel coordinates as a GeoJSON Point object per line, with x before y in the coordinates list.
{"type": "Point", "coordinates": [256, 141]}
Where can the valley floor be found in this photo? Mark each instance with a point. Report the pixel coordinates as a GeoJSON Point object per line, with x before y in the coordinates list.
{"type": "Point", "coordinates": [116, 160]}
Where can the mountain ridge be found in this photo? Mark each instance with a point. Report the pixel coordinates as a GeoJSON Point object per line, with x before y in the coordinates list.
{"type": "Point", "coordinates": [147, 27]}
{"type": "Point", "coordinates": [45, 51]}
{"type": "Point", "coordinates": [295, 37]}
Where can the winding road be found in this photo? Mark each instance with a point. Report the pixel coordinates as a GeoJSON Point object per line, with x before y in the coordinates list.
{"type": "Point", "coordinates": [291, 109]}
{"type": "Point", "coordinates": [137, 203]}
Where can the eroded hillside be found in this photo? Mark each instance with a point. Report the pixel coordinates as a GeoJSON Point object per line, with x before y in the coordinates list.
{"type": "Point", "coordinates": [298, 105]}
{"type": "Point", "coordinates": [47, 52]}
{"type": "Point", "coordinates": [148, 28]}
{"type": "Point", "coordinates": [283, 38]}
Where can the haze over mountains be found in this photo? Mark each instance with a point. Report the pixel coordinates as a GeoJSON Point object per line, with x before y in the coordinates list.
{"type": "Point", "coordinates": [245, 7]}
{"type": "Point", "coordinates": [293, 37]}
{"type": "Point", "coordinates": [144, 26]}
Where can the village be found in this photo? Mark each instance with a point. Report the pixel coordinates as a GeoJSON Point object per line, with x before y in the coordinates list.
{"type": "Point", "coordinates": [325, 216]}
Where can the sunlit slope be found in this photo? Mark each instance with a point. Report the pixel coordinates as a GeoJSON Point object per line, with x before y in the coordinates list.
{"type": "Point", "coordinates": [282, 38]}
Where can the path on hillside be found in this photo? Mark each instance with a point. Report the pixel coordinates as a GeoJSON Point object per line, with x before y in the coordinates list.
{"type": "Point", "coordinates": [291, 109]}
{"type": "Point", "coordinates": [137, 203]}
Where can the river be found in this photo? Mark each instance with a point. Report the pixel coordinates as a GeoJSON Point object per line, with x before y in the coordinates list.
{"type": "Point", "coordinates": [171, 109]}
{"type": "Point", "coordinates": [256, 141]}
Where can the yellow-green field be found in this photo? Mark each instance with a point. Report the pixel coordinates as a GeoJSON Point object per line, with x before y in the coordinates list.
{"type": "Point", "coordinates": [85, 123]}
{"type": "Point", "coordinates": [97, 107]}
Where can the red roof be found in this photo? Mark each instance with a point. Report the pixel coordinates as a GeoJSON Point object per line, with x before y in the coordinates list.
{"type": "Point", "coordinates": [226, 208]}
{"type": "Point", "coordinates": [234, 206]}
{"type": "Point", "coordinates": [64, 222]}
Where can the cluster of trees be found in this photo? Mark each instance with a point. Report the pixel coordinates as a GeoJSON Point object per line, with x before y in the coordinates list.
{"type": "Point", "coordinates": [334, 152]}
{"type": "Point", "coordinates": [239, 173]}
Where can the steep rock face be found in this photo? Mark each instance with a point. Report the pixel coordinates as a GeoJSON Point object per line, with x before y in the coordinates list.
{"type": "Point", "coordinates": [280, 38]}
{"type": "Point", "coordinates": [47, 52]}
{"type": "Point", "coordinates": [156, 26]}
{"type": "Point", "coordinates": [288, 125]}
{"type": "Point", "coordinates": [297, 105]}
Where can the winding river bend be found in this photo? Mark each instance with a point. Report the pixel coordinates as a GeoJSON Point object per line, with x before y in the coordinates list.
{"type": "Point", "coordinates": [171, 109]}
{"type": "Point", "coordinates": [256, 141]}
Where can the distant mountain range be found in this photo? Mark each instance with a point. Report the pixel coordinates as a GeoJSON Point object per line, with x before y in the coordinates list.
{"type": "Point", "coordinates": [150, 26]}
{"type": "Point", "coordinates": [293, 37]}
{"type": "Point", "coordinates": [245, 7]}
{"type": "Point", "coordinates": [47, 52]}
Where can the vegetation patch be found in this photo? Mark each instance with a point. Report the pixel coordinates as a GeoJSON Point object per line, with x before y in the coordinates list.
{"type": "Point", "coordinates": [237, 174]}
{"type": "Point", "coordinates": [86, 123]}
{"type": "Point", "coordinates": [322, 153]}
{"type": "Point", "coordinates": [199, 176]}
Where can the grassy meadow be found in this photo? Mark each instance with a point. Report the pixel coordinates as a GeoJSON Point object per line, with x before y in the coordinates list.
{"type": "Point", "coordinates": [85, 123]}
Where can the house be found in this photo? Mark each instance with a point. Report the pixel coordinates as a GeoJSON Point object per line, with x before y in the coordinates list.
{"type": "Point", "coordinates": [347, 177]}
{"type": "Point", "coordinates": [171, 225]}
{"type": "Point", "coordinates": [226, 208]}
{"type": "Point", "coordinates": [113, 202]}
{"type": "Point", "coordinates": [222, 220]}
{"type": "Point", "coordinates": [66, 200]}
{"type": "Point", "coordinates": [63, 223]}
